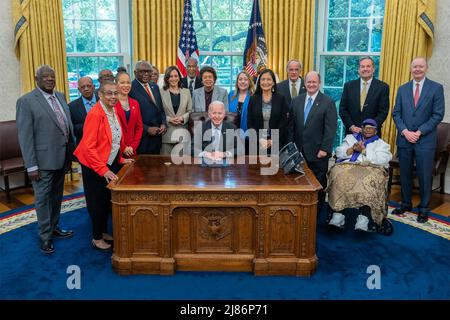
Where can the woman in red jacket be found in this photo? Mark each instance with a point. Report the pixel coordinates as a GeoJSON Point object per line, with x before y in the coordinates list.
{"type": "Point", "coordinates": [129, 114]}
{"type": "Point", "coordinates": [100, 155]}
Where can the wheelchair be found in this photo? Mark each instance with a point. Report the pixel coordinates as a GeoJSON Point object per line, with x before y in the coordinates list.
{"type": "Point", "coordinates": [385, 227]}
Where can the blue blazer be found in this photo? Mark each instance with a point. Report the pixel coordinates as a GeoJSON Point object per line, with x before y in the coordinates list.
{"type": "Point", "coordinates": [428, 114]}
{"type": "Point", "coordinates": [233, 107]}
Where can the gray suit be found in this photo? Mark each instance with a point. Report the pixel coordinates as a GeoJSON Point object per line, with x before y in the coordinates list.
{"type": "Point", "coordinates": [44, 145]}
{"type": "Point", "coordinates": [198, 98]}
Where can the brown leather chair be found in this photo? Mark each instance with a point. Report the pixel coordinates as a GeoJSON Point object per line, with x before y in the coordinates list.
{"type": "Point", "coordinates": [203, 116]}
{"type": "Point", "coordinates": [11, 161]}
{"type": "Point", "coordinates": [440, 158]}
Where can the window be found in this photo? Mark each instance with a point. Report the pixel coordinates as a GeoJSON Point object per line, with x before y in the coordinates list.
{"type": "Point", "coordinates": [221, 28]}
{"type": "Point", "coordinates": [97, 37]}
{"type": "Point", "coordinates": [349, 29]}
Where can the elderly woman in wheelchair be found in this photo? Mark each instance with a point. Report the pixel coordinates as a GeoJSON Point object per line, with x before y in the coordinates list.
{"type": "Point", "coordinates": [359, 178]}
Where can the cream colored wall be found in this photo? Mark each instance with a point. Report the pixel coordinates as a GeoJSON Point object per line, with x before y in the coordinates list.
{"type": "Point", "coordinates": [10, 78]}
{"type": "Point", "coordinates": [440, 64]}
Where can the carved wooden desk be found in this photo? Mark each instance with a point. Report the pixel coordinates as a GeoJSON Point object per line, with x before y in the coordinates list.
{"type": "Point", "coordinates": [188, 217]}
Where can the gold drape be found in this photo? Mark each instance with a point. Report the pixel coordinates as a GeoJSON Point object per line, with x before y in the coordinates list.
{"type": "Point", "coordinates": [407, 33]}
{"type": "Point", "coordinates": [39, 39]}
{"type": "Point", "coordinates": [289, 31]}
{"type": "Point", "coordinates": [288, 27]}
{"type": "Point", "coordinates": [156, 31]}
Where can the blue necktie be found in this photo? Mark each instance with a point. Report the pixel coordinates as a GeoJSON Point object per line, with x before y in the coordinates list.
{"type": "Point", "coordinates": [88, 106]}
{"type": "Point", "coordinates": [307, 109]}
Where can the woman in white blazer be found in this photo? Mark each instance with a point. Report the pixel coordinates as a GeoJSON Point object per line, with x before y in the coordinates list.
{"type": "Point", "coordinates": [177, 105]}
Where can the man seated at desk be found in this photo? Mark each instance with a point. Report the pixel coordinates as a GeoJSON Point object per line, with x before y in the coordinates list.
{"type": "Point", "coordinates": [363, 185]}
{"type": "Point", "coordinates": [216, 144]}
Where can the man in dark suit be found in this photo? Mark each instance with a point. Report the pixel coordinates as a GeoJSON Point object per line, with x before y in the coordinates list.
{"type": "Point", "coordinates": [152, 111]}
{"type": "Point", "coordinates": [213, 144]}
{"type": "Point", "coordinates": [364, 98]}
{"type": "Point", "coordinates": [81, 106]}
{"type": "Point", "coordinates": [295, 85]}
{"type": "Point", "coordinates": [419, 108]}
{"type": "Point", "coordinates": [312, 126]}
{"type": "Point", "coordinates": [47, 143]}
{"type": "Point", "coordinates": [191, 82]}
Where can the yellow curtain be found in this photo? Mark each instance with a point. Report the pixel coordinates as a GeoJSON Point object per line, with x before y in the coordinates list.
{"type": "Point", "coordinates": [289, 31]}
{"type": "Point", "coordinates": [39, 39]}
{"type": "Point", "coordinates": [408, 33]}
{"type": "Point", "coordinates": [156, 31]}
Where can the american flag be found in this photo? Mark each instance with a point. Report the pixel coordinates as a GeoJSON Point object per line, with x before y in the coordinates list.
{"type": "Point", "coordinates": [255, 53]}
{"type": "Point", "coordinates": [187, 46]}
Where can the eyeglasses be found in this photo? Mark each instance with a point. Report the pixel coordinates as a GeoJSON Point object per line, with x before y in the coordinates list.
{"type": "Point", "coordinates": [111, 93]}
{"type": "Point", "coordinates": [144, 71]}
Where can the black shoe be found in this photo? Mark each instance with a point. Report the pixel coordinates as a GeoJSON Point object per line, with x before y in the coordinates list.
{"type": "Point", "coordinates": [61, 233]}
{"type": "Point", "coordinates": [100, 249]}
{"type": "Point", "coordinates": [422, 217]}
{"type": "Point", "coordinates": [111, 242]}
{"type": "Point", "coordinates": [401, 210]}
{"type": "Point", "coordinates": [47, 247]}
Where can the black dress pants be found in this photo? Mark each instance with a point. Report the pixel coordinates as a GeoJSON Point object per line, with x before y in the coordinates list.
{"type": "Point", "coordinates": [98, 198]}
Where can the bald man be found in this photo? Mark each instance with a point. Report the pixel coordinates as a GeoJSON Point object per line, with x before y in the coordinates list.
{"type": "Point", "coordinates": [80, 107]}
{"type": "Point", "coordinates": [419, 108]}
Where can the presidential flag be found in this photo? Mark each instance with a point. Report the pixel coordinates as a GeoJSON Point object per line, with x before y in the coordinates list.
{"type": "Point", "coordinates": [187, 46]}
{"type": "Point", "coordinates": [255, 53]}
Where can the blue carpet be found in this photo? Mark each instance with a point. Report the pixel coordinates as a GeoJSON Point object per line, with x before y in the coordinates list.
{"type": "Point", "coordinates": [414, 265]}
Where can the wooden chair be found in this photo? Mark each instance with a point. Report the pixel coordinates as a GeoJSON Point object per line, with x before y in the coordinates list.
{"type": "Point", "coordinates": [440, 158]}
{"type": "Point", "coordinates": [11, 161]}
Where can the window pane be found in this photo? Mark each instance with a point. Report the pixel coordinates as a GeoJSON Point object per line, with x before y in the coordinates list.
{"type": "Point", "coordinates": [88, 67]}
{"type": "Point", "coordinates": [200, 10]}
{"type": "Point", "coordinates": [111, 63]}
{"type": "Point", "coordinates": [72, 77]}
{"type": "Point", "coordinates": [337, 35]}
{"type": "Point", "coordinates": [377, 32]}
{"type": "Point", "coordinates": [84, 9]}
{"type": "Point", "coordinates": [361, 8]}
{"type": "Point", "coordinates": [221, 36]}
{"type": "Point", "coordinates": [67, 9]}
{"type": "Point", "coordinates": [221, 9]}
{"type": "Point", "coordinates": [338, 8]}
{"type": "Point", "coordinates": [237, 62]}
{"type": "Point", "coordinates": [376, 59]}
{"type": "Point", "coordinates": [107, 36]}
{"type": "Point", "coordinates": [378, 10]}
{"type": "Point", "coordinates": [106, 9]}
{"type": "Point", "coordinates": [203, 33]}
{"type": "Point", "coordinates": [352, 66]}
{"type": "Point", "coordinates": [359, 35]}
{"type": "Point", "coordinates": [204, 61]}
{"type": "Point", "coordinates": [334, 71]}
{"type": "Point", "coordinates": [239, 36]}
{"type": "Point", "coordinates": [85, 36]}
{"type": "Point", "coordinates": [241, 10]}
{"type": "Point", "coordinates": [68, 33]}
{"type": "Point", "coordinates": [222, 64]}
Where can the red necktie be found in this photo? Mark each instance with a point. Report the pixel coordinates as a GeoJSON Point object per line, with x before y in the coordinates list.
{"type": "Point", "coordinates": [416, 94]}
{"type": "Point", "coordinates": [149, 92]}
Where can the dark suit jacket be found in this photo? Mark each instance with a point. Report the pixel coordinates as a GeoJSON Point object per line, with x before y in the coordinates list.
{"type": "Point", "coordinates": [284, 89]}
{"type": "Point", "coordinates": [319, 131]}
{"type": "Point", "coordinates": [198, 83]}
{"type": "Point", "coordinates": [152, 113]}
{"type": "Point", "coordinates": [376, 105]}
{"type": "Point", "coordinates": [207, 139]}
{"type": "Point", "coordinates": [78, 114]}
{"type": "Point", "coordinates": [425, 117]}
{"type": "Point", "coordinates": [278, 115]}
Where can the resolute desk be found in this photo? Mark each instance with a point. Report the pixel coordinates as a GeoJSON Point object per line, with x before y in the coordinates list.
{"type": "Point", "coordinates": [169, 217]}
